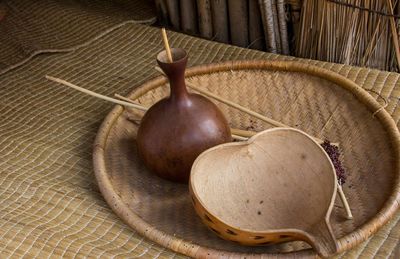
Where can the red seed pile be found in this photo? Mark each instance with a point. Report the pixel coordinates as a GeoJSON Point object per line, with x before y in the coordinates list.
{"type": "Point", "coordinates": [334, 155]}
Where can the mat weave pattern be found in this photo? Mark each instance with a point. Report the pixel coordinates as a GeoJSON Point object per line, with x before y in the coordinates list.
{"type": "Point", "coordinates": [50, 204]}
{"type": "Point", "coordinates": [29, 27]}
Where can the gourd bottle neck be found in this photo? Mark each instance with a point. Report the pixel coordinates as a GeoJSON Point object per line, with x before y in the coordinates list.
{"type": "Point", "coordinates": [178, 87]}
{"type": "Point", "coordinates": [175, 71]}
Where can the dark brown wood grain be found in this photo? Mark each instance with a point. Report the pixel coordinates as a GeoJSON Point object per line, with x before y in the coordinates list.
{"type": "Point", "coordinates": [173, 12]}
{"type": "Point", "coordinates": [256, 32]}
{"type": "Point", "coordinates": [238, 20]}
{"type": "Point", "coordinates": [204, 16]}
{"type": "Point", "coordinates": [162, 12]}
{"type": "Point", "coordinates": [188, 11]}
{"type": "Point", "coordinates": [220, 20]}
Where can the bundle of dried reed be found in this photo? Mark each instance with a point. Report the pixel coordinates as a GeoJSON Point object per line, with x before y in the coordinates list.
{"type": "Point", "coordinates": [356, 32]}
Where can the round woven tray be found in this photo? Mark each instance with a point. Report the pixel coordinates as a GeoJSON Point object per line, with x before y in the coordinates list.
{"type": "Point", "coordinates": [314, 100]}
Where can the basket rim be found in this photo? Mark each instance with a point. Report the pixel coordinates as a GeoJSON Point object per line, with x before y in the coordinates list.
{"type": "Point", "coordinates": [186, 247]}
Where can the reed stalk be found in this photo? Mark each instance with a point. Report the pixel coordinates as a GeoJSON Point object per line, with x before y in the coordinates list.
{"type": "Point", "coordinates": [355, 32]}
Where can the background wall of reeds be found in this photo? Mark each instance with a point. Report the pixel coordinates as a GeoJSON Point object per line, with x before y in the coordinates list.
{"type": "Point", "coordinates": [256, 24]}
{"type": "Point", "coordinates": [356, 32]}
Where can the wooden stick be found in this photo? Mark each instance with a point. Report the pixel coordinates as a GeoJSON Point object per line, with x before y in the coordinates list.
{"type": "Point", "coordinates": [173, 13]}
{"type": "Point", "coordinates": [276, 27]}
{"type": "Point", "coordinates": [280, 5]}
{"type": "Point", "coordinates": [238, 20]}
{"type": "Point", "coordinates": [162, 12]}
{"type": "Point", "coordinates": [205, 20]}
{"type": "Point", "coordinates": [220, 21]}
{"type": "Point", "coordinates": [166, 45]}
{"type": "Point", "coordinates": [346, 205]}
{"type": "Point", "coordinates": [238, 137]}
{"type": "Point", "coordinates": [100, 96]}
{"type": "Point", "coordinates": [268, 22]}
{"type": "Point", "coordinates": [188, 16]}
{"type": "Point", "coordinates": [241, 108]}
{"type": "Point", "coordinates": [236, 133]}
{"type": "Point", "coordinates": [256, 33]}
{"type": "Point", "coordinates": [126, 101]}
{"type": "Point", "coordinates": [243, 133]}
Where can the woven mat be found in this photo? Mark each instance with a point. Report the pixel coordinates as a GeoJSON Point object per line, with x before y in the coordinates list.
{"type": "Point", "coordinates": [29, 27]}
{"type": "Point", "coordinates": [50, 204]}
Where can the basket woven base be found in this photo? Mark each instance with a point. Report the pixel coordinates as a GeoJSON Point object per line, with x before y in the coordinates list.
{"type": "Point", "coordinates": [316, 101]}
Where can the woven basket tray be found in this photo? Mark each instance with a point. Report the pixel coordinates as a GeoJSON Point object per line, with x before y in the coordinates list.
{"type": "Point", "coordinates": [317, 101]}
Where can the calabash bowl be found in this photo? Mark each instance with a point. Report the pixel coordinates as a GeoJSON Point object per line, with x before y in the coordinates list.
{"type": "Point", "coordinates": [278, 186]}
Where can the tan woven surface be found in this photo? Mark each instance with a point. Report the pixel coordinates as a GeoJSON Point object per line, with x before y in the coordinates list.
{"type": "Point", "coordinates": [50, 205]}
{"type": "Point", "coordinates": [29, 27]}
{"type": "Point", "coordinates": [334, 109]}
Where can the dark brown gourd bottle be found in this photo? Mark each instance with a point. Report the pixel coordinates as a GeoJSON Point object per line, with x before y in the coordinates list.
{"type": "Point", "coordinates": [175, 130]}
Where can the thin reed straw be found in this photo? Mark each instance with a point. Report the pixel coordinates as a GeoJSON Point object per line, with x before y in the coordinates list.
{"type": "Point", "coordinates": [166, 45]}
{"type": "Point", "coordinates": [356, 34]}
{"type": "Point", "coordinates": [241, 108]}
{"type": "Point", "coordinates": [126, 101]}
{"type": "Point", "coordinates": [394, 33]}
{"type": "Point", "coordinates": [346, 205]}
{"type": "Point", "coordinates": [100, 96]}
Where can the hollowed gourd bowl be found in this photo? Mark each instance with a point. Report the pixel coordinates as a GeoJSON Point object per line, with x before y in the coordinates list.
{"type": "Point", "coordinates": [278, 186]}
